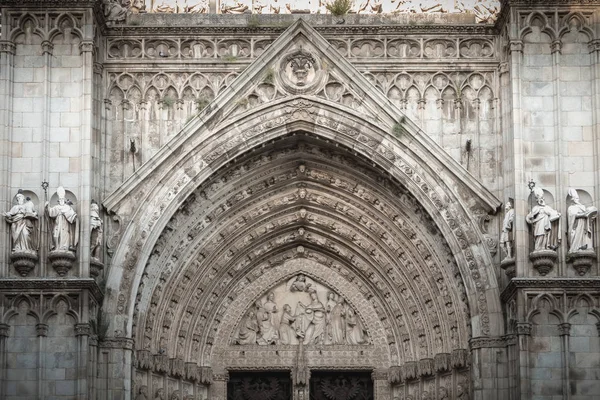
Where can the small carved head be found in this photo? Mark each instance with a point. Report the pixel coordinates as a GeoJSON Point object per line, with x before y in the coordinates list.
{"type": "Point", "coordinates": [508, 206]}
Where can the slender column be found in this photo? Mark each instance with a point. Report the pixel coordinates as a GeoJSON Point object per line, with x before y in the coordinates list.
{"type": "Point", "coordinates": [47, 50]}
{"type": "Point", "coordinates": [594, 47]}
{"type": "Point", "coordinates": [564, 330]}
{"type": "Point", "coordinates": [7, 54]}
{"type": "Point", "coordinates": [218, 390]}
{"type": "Point", "coordinates": [4, 330]}
{"type": "Point", "coordinates": [381, 385]}
{"type": "Point", "coordinates": [41, 331]}
{"type": "Point", "coordinates": [85, 186]}
{"type": "Point", "coordinates": [82, 332]}
{"type": "Point", "coordinates": [561, 174]}
{"type": "Point", "coordinates": [524, 334]}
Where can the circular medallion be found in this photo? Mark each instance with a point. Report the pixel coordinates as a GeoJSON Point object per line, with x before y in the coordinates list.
{"type": "Point", "coordinates": [300, 71]}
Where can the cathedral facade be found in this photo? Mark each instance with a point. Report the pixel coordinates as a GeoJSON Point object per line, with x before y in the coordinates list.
{"type": "Point", "coordinates": [334, 200]}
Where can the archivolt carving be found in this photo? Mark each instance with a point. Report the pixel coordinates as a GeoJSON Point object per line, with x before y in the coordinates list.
{"type": "Point", "coordinates": [307, 237]}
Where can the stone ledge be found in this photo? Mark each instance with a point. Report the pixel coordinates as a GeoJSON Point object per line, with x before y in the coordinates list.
{"type": "Point", "coordinates": [549, 283]}
{"type": "Point", "coordinates": [8, 285]}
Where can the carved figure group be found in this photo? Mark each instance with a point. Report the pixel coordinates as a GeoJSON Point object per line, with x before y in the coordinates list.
{"type": "Point", "coordinates": [545, 222]}
{"type": "Point", "coordinates": [23, 220]}
{"type": "Point", "coordinates": [312, 322]}
{"type": "Point", "coordinates": [580, 223]}
{"type": "Point", "coordinates": [65, 230]}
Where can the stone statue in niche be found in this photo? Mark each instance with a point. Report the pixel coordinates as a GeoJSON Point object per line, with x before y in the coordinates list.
{"type": "Point", "coordinates": [64, 228]}
{"type": "Point", "coordinates": [545, 222]}
{"type": "Point", "coordinates": [96, 232]}
{"type": "Point", "coordinates": [23, 224]}
{"type": "Point", "coordinates": [311, 314]}
{"type": "Point", "coordinates": [506, 237]}
{"type": "Point", "coordinates": [23, 220]}
{"type": "Point", "coordinates": [580, 220]}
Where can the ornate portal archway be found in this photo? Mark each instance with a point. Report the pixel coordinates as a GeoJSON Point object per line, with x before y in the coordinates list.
{"type": "Point", "coordinates": [312, 172]}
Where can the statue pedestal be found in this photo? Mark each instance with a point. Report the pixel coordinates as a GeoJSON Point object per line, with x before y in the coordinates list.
{"type": "Point", "coordinates": [543, 260]}
{"type": "Point", "coordinates": [582, 260]}
{"type": "Point", "coordinates": [24, 261]}
{"type": "Point", "coordinates": [508, 265]}
{"type": "Point", "coordinates": [62, 261]}
{"type": "Point", "coordinates": [95, 267]}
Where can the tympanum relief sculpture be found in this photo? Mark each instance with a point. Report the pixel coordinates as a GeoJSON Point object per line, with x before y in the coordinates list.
{"type": "Point", "coordinates": [23, 221]}
{"type": "Point", "coordinates": [580, 220]}
{"type": "Point", "coordinates": [545, 224]}
{"type": "Point", "coordinates": [64, 228]}
{"type": "Point", "coordinates": [301, 311]}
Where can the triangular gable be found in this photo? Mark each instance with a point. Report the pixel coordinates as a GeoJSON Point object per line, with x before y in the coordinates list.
{"type": "Point", "coordinates": [344, 84]}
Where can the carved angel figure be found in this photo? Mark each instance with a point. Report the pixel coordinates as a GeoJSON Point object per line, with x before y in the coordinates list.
{"type": "Point", "coordinates": [542, 218]}
{"type": "Point", "coordinates": [580, 219]}
{"type": "Point", "coordinates": [23, 224]}
{"type": "Point", "coordinates": [506, 237]}
{"type": "Point", "coordinates": [65, 229]}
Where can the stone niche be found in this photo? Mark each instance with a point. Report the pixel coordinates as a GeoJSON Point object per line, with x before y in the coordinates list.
{"type": "Point", "coordinates": [300, 310]}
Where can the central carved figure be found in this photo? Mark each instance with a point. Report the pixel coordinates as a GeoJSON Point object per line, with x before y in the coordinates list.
{"type": "Point", "coordinates": [320, 317]}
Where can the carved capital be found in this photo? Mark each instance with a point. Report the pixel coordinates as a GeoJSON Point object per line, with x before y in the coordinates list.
{"type": "Point", "coordinates": [4, 330]}
{"type": "Point", "coordinates": [177, 367]}
{"type": "Point", "coordinates": [144, 360]}
{"type": "Point", "coordinates": [82, 329]}
{"type": "Point", "coordinates": [564, 329]}
{"type": "Point", "coordinates": [516, 46]}
{"type": "Point", "coordinates": [460, 358]}
{"type": "Point", "coordinates": [395, 375]}
{"type": "Point", "coordinates": [443, 362]}
{"type": "Point", "coordinates": [221, 377]}
{"type": "Point", "coordinates": [7, 46]}
{"type": "Point", "coordinates": [426, 367]}
{"type": "Point", "coordinates": [594, 45]}
{"type": "Point", "coordinates": [379, 375]}
{"type": "Point", "coordinates": [87, 46]}
{"type": "Point", "coordinates": [524, 328]}
{"type": "Point", "coordinates": [41, 329]}
{"type": "Point", "coordinates": [556, 46]}
{"type": "Point", "coordinates": [47, 47]}
{"type": "Point", "coordinates": [410, 371]}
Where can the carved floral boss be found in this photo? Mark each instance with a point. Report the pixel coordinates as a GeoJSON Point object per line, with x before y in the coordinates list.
{"type": "Point", "coordinates": [300, 71]}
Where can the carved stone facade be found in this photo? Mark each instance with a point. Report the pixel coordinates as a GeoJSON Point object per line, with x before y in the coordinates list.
{"type": "Point", "coordinates": [299, 206]}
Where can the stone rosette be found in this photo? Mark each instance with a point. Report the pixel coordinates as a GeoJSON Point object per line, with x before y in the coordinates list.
{"type": "Point", "coordinates": [24, 261]}
{"type": "Point", "coordinates": [582, 260]}
{"type": "Point", "coordinates": [543, 260]}
{"type": "Point", "coordinates": [62, 261]}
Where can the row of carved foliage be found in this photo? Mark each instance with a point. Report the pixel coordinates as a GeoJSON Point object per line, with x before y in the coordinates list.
{"type": "Point", "coordinates": [175, 367]}
{"type": "Point", "coordinates": [442, 362]}
{"type": "Point", "coordinates": [231, 49]}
